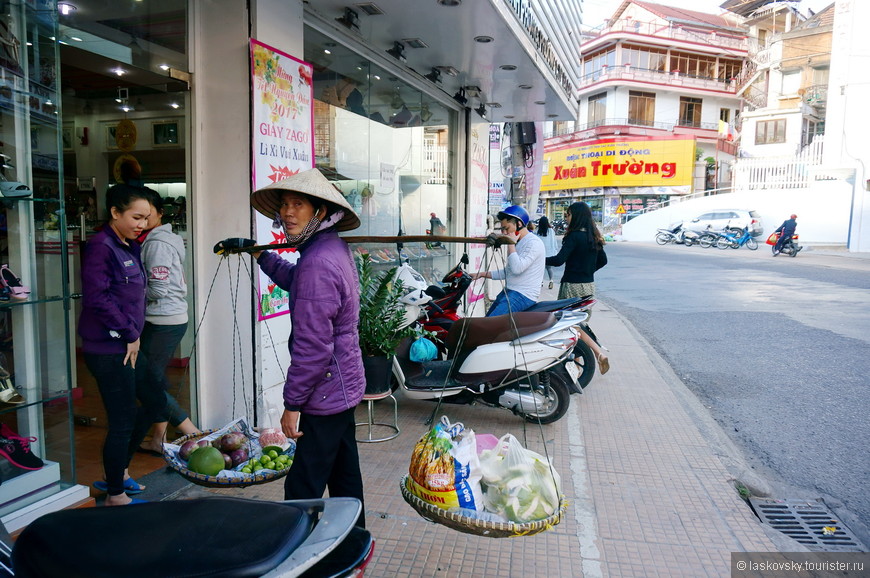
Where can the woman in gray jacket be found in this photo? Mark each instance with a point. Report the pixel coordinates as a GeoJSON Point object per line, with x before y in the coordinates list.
{"type": "Point", "coordinates": [165, 316]}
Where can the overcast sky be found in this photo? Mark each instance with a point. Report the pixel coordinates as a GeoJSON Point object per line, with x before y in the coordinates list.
{"type": "Point", "coordinates": [595, 11]}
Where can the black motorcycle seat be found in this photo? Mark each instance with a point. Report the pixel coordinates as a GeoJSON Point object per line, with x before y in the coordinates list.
{"type": "Point", "coordinates": [477, 331]}
{"type": "Point", "coordinates": [218, 536]}
{"type": "Point", "coordinates": [556, 305]}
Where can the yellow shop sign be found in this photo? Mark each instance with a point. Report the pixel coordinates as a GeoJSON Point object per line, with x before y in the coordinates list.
{"type": "Point", "coordinates": [617, 162]}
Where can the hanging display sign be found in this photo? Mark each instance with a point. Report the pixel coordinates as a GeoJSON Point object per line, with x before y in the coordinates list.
{"type": "Point", "coordinates": [616, 162]}
{"type": "Point", "coordinates": [283, 145]}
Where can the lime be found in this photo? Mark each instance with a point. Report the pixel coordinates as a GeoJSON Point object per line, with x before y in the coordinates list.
{"type": "Point", "coordinates": [258, 467]}
{"type": "Point", "coordinates": [270, 465]}
{"type": "Point", "coordinates": [272, 454]}
{"type": "Point", "coordinates": [246, 470]}
{"type": "Point", "coordinates": [264, 459]}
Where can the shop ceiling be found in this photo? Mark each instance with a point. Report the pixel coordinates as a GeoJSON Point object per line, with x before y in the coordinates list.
{"type": "Point", "coordinates": [507, 69]}
{"type": "Point", "coordinates": [145, 35]}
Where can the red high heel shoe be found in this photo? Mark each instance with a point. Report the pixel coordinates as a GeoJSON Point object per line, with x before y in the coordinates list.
{"type": "Point", "coordinates": [13, 284]}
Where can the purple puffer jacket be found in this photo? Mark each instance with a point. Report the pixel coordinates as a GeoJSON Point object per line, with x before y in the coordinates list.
{"type": "Point", "coordinates": [326, 373]}
{"type": "Point", "coordinates": [113, 289]}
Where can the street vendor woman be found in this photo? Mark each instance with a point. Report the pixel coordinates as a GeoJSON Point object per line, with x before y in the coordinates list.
{"type": "Point", "coordinates": [325, 380]}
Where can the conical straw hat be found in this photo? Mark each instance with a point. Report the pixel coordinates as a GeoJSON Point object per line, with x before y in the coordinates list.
{"type": "Point", "coordinates": [267, 200]}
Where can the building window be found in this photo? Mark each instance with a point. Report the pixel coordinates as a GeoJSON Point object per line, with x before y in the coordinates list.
{"type": "Point", "coordinates": [592, 65]}
{"type": "Point", "coordinates": [645, 58]}
{"type": "Point", "coordinates": [693, 65]}
{"type": "Point", "coordinates": [770, 131]}
{"type": "Point", "coordinates": [597, 109]}
{"type": "Point", "coordinates": [820, 76]}
{"type": "Point", "coordinates": [791, 82]}
{"type": "Point", "coordinates": [641, 108]}
{"type": "Point", "coordinates": [690, 111]}
{"type": "Point", "coordinates": [725, 114]}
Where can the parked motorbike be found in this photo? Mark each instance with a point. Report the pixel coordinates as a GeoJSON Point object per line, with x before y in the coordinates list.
{"type": "Point", "coordinates": [678, 235]}
{"type": "Point", "coordinates": [443, 311]}
{"type": "Point", "coordinates": [790, 247]}
{"type": "Point", "coordinates": [523, 362]}
{"type": "Point", "coordinates": [219, 536]}
{"type": "Point", "coordinates": [729, 239]}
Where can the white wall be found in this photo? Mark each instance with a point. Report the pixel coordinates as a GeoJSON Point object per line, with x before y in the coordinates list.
{"type": "Point", "coordinates": [822, 210]}
{"type": "Point", "coordinates": [793, 126]}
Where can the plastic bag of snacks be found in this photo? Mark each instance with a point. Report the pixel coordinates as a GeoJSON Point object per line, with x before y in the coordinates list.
{"type": "Point", "coordinates": [445, 470]}
{"type": "Point", "coordinates": [519, 484]}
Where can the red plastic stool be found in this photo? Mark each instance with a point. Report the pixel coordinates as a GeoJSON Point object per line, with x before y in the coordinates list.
{"type": "Point", "coordinates": [370, 398]}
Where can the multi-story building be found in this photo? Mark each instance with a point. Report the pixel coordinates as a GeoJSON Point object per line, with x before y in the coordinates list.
{"type": "Point", "coordinates": [656, 82]}
{"type": "Point", "coordinates": [785, 84]}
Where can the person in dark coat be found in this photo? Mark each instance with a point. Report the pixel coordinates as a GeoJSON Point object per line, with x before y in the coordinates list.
{"type": "Point", "coordinates": [326, 380]}
{"type": "Point", "coordinates": [110, 325]}
{"type": "Point", "coordinates": [786, 230]}
{"type": "Point", "coordinates": [582, 254]}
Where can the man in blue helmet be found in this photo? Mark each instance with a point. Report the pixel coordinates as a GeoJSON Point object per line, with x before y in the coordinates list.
{"type": "Point", "coordinates": [525, 265]}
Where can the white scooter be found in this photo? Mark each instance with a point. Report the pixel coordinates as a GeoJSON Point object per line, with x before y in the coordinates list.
{"type": "Point", "coordinates": [522, 362]}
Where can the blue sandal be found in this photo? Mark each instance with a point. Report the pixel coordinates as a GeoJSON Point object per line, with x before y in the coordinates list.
{"type": "Point", "coordinates": [131, 486]}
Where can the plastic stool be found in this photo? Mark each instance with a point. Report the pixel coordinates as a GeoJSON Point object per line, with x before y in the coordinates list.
{"type": "Point", "coordinates": [371, 398]}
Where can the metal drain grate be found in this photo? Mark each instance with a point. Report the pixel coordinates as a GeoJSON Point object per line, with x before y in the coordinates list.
{"type": "Point", "coordinates": [809, 523]}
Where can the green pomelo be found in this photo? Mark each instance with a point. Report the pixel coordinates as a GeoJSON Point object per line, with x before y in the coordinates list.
{"type": "Point", "coordinates": [207, 461]}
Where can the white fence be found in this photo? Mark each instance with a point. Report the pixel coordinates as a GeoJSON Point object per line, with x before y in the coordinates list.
{"type": "Point", "coordinates": [778, 173]}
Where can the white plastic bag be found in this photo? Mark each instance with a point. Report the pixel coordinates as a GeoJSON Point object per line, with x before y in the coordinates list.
{"type": "Point", "coordinates": [519, 484]}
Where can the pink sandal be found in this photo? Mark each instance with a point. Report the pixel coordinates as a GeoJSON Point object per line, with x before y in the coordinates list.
{"type": "Point", "coordinates": [11, 281]}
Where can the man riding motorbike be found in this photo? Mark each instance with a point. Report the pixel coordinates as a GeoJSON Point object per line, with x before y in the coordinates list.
{"type": "Point", "coordinates": [786, 231]}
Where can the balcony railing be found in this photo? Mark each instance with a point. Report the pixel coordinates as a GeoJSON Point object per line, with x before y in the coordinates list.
{"type": "Point", "coordinates": [631, 122]}
{"type": "Point", "coordinates": [656, 76]}
{"type": "Point", "coordinates": [670, 32]}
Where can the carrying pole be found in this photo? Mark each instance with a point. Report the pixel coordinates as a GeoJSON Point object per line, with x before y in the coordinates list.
{"type": "Point", "coordinates": [385, 240]}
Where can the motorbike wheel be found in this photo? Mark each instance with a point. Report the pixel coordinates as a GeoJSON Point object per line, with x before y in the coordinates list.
{"type": "Point", "coordinates": [794, 251]}
{"type": "Point", "coordinates": [773, 250]}
{"type": "Point", "coordinates": [558, 397]}
{"type": "Point", "coordinates": [706, 241]}
{"type": "Point", "coordinates": [586, 357]}
{"type": "Point", "coordinates": [722, 243]}
{"type": "Point", "coordinates": [663, 239]}
{"type": "Point", "coordinates": [735, 231]}
{"type": "Point", "coordinates": [751, 244]}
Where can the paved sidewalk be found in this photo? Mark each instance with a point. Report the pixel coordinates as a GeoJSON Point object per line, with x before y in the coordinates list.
{"type": "Point", "coordinates": [648, 495]}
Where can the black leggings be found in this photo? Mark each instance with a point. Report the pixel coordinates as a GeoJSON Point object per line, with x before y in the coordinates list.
{"type": "Point", "coordinates": [120, 386]}
{"type": "Point", "coordinates": [326, 457]}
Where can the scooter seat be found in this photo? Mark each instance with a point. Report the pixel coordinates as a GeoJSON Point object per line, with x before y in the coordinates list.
{"type": "Point", "coordinates": [556, 305]}
{"type": "Point", "coordinates": [477, 331]}
{"type": "Point", "coordinates": [175, 538]}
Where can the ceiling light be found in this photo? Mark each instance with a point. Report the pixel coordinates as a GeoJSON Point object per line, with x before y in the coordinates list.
{"type": "Point", "coordinates": [127, 107]}
{"type": "Point", "coordinates": [481, 110]}
{"type": "Point", "coordinates": [119, 71]}
{"type": "Point", "coordinates": [483, 39]}
{"type": "Point", "coordinates": [65, 8]}
{"type": "Point", "coordinates": [448, 70]}
{"type": "Point", "coordinates": [449, 2]}
{"type": "Point", "coordinates": [164, 67]}
{"type": "Point", "coordinates": [508, 116]}
{"type": "Point", "coordinates": [472, 90]}
{"type": "Point", "coordinates": [397, 51]}
{"type": "Point", "coordinates": [434, 76]}
{"type": "Point", "coordinates": [414, 43]}
{"type": "Point", "coordinates": [460, 97]}
{"type": "Point", "coordinates": [540, 102]}
{"type": "Point", "coordinates": [175, 105]}
{"type": "Point", "coordinates": [525, 86]}
{"type": "Point", "coordinates": [370, 9]}
{"type": "Point", "coordinates": [508, 67]}
{"type": "Point", "coordinates": [552, 115]}
{"type": "Point", "coordinates": [350, 20]}
{"type": "Point", "coordinates": [493, 104]}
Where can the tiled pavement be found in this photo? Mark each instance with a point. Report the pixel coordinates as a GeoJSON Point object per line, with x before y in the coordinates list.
{"type": "Point", "coordinates": [648, 495]}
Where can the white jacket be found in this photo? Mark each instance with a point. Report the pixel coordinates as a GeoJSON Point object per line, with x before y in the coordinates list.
{"type": "Point", "coordinates": [163, 256]}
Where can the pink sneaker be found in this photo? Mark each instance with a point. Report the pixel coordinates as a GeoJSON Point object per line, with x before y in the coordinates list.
{"type": "Point", "coordinates": [11, 281]}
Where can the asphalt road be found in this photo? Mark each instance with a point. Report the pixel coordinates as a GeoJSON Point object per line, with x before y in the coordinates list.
{"type": "Point", "coordinates": [776, 348]}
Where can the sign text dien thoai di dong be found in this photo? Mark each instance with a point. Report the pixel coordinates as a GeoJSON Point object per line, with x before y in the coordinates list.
{"type": "Point", "coordinates": [619, 163]}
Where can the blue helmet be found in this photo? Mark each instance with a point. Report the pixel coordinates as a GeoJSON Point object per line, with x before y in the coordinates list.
{"type": "Point", "coordinates": [514, 212]}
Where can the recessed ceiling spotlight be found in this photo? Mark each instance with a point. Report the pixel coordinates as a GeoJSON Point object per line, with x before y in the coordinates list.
{"type": "Point", "coordinates": [65, 8]}
{"type": "Point", "coordinates": [164, 67]}
{"type": "Point", "coordinates": [119, 71]}
{"type": "Point", "coordinates": [525, 86]}
{"type": "Point", "coordinates": [508, 67]}
{"type": "Point", "coordinates": [552, 115]}
{"type": "Point", "coordinates": [448, 70]}
{"type": "Point", "coordinates": [508, 116]}
{"type": "Point", "coordinates": [493, 104]}
{"type": "Point", "coordinates": [483, 39]}
{"type": "Point", "coordinates": [540, 102]}
{"type": "Point", "coordinates": [175, 105]}
{"type": "Point", "coordinates": [449, 2]}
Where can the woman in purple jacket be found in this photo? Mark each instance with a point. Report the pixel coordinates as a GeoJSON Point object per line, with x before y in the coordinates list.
{"type": "Point", "coordinates": [111, 322]}
{"type": "Point", "coordinates": [325, 380]}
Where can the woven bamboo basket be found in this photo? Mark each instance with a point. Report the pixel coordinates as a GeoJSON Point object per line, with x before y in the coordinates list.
{"type": "Point", "coordinates": [216, 482]}
{"type": "Point", "coordinates": [479, 527]}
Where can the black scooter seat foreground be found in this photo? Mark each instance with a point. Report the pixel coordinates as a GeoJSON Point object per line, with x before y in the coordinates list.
{"type": "Point", "coordinates": [218, 536]}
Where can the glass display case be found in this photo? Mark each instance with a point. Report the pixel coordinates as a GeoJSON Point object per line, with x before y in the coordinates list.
{"type": "Point", "coordinates": [37, 458]}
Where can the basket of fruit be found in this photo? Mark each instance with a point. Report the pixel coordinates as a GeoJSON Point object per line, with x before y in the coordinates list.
{"type": "Point", "coordinates": [232, 456]}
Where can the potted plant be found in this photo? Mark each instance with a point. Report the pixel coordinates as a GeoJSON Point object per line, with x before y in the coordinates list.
{"type": "Point", "coordinates": [381, 322]}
